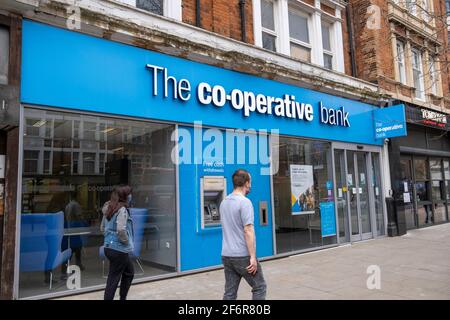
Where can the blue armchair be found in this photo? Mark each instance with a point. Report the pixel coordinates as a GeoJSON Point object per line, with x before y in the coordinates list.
{"type": "Point", "coordinates": [139, 217]}
{"type": "Point", "coordinates": [40, 242]}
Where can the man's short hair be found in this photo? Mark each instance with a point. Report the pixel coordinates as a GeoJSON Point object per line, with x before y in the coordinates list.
{"type": "Point", "coordinates": [240, 177]}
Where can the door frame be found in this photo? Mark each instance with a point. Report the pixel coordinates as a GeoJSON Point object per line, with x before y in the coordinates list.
{"type": "Point", "coordinates": [368, 150]}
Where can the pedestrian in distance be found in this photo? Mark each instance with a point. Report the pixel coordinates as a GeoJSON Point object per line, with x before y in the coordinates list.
{"type": "Point", "coordinates": [239, 242]}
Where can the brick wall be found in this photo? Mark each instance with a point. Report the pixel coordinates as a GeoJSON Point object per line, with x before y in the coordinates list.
{"type": "Point", "coordinates": [221, 16]}
{"type": "Point", "coordinates": [374, 54]}
{"type": "Point", "coordinates": [443, 56]}
{"type": "Point", "coordinates": [373, 46]}
{"type": "Point", "coordinates": [346, 45]}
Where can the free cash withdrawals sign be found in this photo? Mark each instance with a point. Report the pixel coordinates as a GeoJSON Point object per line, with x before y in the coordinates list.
{"type": "Point", "coordinates": [302, 189]}
{"type": "Point", "coordinates": [390, 122]}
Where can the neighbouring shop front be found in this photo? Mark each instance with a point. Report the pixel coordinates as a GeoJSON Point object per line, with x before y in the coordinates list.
{"type": "Point", "coordinates": [421, 169]}
{"type": "Point", "coordinates": [96, 114]}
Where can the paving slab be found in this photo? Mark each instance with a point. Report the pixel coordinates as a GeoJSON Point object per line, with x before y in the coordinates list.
{"type": "Point", "coordinates": [413, 266]}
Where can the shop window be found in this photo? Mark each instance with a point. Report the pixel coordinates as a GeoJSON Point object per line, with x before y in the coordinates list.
{"type": "Point", "coordinates": [4, 54]}
{"type": "Point", "coordinates": [269, 33]}
{"type": "Point", "coordinates": [298, 226]}
{"type": "Point", "coordinates": [436, 169]}
{"type": "Point", "coordinates": [61, 210]}
{"type": "Point", "coordinates": [299, 35]}
{"type": "Point", "coordinates": [30, 161]}
{"type": "Point", "coordinates": [421, 168]}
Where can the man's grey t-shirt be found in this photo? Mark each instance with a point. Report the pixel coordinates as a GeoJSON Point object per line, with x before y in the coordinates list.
{"type": "Point", "coordinates": [236, 211]}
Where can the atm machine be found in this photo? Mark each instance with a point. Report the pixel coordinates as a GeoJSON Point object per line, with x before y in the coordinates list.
{"type": "Point", "coordinates": [213, 190]}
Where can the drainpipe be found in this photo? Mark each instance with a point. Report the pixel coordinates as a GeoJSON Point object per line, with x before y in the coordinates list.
{"type": "Point", "coordinates": [243, 20]}
{"type": "Point", "coordinates": [350, 34]}
{"type": "Point", "coordinates": [198, 21]}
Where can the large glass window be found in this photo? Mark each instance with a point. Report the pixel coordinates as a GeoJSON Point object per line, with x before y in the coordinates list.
{"type": "Point", "coordinates": [305, 168]}
{"type": "Point", "coordinates": [65, 185]}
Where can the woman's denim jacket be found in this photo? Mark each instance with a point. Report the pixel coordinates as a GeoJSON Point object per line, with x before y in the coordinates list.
{"type": "Point", "coordinates": [119, 236]}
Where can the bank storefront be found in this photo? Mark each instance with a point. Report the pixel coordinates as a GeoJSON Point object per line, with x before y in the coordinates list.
{"type": "Point", "coordinates": [96, 114]}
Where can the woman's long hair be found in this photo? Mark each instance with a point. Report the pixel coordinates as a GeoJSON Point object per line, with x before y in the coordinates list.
{"type": "Point", "coordinates": [119, 199]}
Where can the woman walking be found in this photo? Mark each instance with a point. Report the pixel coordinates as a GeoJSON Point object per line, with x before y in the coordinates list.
{"type": "Point", "coordinates": [118, 231]}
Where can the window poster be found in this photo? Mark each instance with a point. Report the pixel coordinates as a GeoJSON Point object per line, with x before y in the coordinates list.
{"type": "Point", "coordinates": [302, 189]}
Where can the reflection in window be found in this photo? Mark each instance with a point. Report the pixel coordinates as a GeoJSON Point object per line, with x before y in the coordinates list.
{"type": "Point", "coordinates": [421, 191]}
{"type": "Point", "coordinates": [436, 169]}
{"type": "Point", "coordinates": [66, 184]}
{"type": "Point", "coordinates": [420, 169]}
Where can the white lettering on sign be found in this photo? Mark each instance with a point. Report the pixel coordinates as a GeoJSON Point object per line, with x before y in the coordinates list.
{"type": "Point", "coordinates": [246, 101]}
{"type": "Point", "coordinates": [435, 116]}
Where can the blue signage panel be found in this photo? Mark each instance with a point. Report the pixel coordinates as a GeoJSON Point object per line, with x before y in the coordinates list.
{"type": "Point", "coordinates": [390, 122]}
{"type": "Point", "coordinates": [327, 219]}
{"type": "Point", "coordinates": [67, 69]}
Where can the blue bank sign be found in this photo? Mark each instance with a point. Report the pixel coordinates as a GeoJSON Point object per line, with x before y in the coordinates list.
{"type": "Point", "coordinates": [390, 122]}
{"type": "Point", "coordinates": [66, 69]}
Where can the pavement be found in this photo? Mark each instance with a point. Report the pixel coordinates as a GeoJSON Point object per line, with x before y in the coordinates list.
{"type": "Point", "coordinates": [413, 266]}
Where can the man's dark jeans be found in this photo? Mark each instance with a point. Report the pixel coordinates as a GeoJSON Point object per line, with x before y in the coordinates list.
{"type": "Point", "coordinates": [235, 270]}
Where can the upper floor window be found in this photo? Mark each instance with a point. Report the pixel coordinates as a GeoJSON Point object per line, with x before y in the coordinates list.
{"type": "Point", "coordinates": [167, 8]}
{"type": "Point", "coordinates": [401, 62]}
{"type": "Point", "coordinates": [447, 6]}
{"type": "Point", "coordinates": [155, 6]}
{"type": "Point", "coordinates": [4, 54]}
{"type": "Point", "coordinates": [269, 35]}
{"type": "Point", "coordinates": [418, 74]}
{"type": "Point", "coordinates": [411, 6]}
{"type": "Point", "coordinates": [433, 75]}
{"type": "Point", "coordinates": [328, 55]}
{"type": "Point", "coordinates": [300, 45]}
{"type": "Point", "coordinates": [301, 30]}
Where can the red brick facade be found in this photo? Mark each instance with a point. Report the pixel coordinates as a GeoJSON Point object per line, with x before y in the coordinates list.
{"type": "Point", "coordinates": [374, 54]}
{"type": "Point", "coordinates": [221, 16]}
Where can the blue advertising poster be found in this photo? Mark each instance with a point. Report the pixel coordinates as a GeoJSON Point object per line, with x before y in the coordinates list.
{"type": "Point", "coordinates": [327, 219]}
{"type": "Point", "coordinates": [390, 122]}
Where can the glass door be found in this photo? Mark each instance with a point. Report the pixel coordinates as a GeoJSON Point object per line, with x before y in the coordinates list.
{"type": "Point", "coordinates": [363, 195]}
{"type": "Point", "coordinates": [377, 192]}
{"type": "Point", "coordinates": [409, 193]}
{"type": "Point", "coordinates": [341, 195]}
{"type": "Point", "coordinates": [359, 198]}
{"type": "Point", "coordinates": [353, 194]}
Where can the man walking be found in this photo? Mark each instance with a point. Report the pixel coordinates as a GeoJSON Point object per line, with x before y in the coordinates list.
{"type": "Point", "coordinates": [238, 243]}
